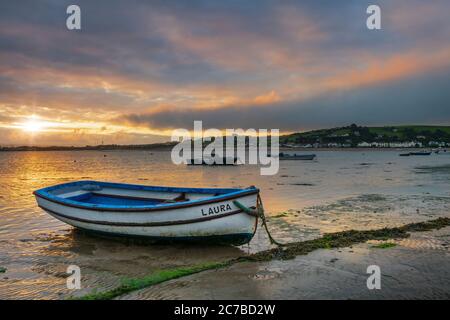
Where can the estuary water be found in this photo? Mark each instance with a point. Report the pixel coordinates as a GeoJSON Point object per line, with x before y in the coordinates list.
{"type": "Point", "coordinates": [340, 190]}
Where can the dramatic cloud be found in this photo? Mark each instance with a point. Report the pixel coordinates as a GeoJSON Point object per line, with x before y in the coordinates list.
{"type": "Point", "coordinates": [372, 106]}
{"type": "Point", "coordinates": [140, 68]}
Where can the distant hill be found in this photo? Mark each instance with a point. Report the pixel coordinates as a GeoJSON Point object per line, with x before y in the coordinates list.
{"type": "Point", "coordinates": [354, 136]}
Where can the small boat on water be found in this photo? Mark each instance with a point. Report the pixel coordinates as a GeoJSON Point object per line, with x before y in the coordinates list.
{"type": "Point", "coordinates": [157, 213]}
{"type": "Point", "coordinates": [287, 156]}
{"type": "Point", "coordinates": [225, 161]}
{"type": "Point", "coordinates": [420, 153]}
{"type": "Point", "coordinates": [416, 153]}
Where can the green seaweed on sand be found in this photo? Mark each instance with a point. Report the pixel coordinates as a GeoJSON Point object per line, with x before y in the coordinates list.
{"type": "Point", "coordinates": [287, 251]}
{"type": "Point", "coordinates": [436, 224]}
{"type": "Point", "coordinates": [3, 270]}
{"type": "Point", "coordinates": [280, 215]}
{"type": "Point", "coordinates": [384, 245]}
{"type": "Point", "coordinates": [328, 241]}
{"type": "Point", "coordinates": [133, 284]}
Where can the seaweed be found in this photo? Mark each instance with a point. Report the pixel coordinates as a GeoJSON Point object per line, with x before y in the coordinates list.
{"type": "Point", "coordinates": [328, 241]}
{"type": "Point", "coordinates": [3, 270]}
{"type": "Point", "coordinates": [133, 284]}
{"type": "Point", "coordinates": [280, 215]}
{"type": "Point", "coordinates": [384, 245]}
{"type": "Point", "coordinates": [427, 225]}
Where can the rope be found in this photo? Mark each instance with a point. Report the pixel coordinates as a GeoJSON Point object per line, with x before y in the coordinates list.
{"type": "Point", "coordinates": [259, 212]}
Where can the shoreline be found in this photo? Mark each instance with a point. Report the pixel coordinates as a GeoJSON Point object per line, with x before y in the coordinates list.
{"type": "Point", "coordinates": [169, 148]}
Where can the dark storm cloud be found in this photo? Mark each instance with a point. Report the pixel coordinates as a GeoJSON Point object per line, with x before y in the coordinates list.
{"type": "Point", "coordinates": [424, 100]}
{"type": "Point", "coordinates": [131, 37]}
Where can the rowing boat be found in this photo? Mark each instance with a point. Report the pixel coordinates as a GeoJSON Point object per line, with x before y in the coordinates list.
{"type": "Point", "coordinates": [153, 212]}
{"type": "Point", "coordinates": [287, 156]}
{"type": "Point", "coordinates": [213, 161]}
{"type": "Point", "coordinates": [420, 153]}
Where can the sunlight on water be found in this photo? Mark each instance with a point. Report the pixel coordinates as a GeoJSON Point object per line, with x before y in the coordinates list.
{"type": "Point", "coordinates": [338, 191]}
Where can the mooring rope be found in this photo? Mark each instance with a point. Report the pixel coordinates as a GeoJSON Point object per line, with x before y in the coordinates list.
{"type": "Point", "coordinates": [259, 212]}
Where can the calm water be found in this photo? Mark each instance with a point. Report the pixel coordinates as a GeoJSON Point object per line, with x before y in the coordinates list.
{"type": "Point", "coordinates": [340, 190]}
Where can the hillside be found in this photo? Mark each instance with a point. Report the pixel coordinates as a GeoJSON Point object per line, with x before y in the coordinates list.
{"type": "Point", "coordinates": [353, 136]}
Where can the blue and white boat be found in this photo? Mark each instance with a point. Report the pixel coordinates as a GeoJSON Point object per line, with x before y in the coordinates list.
{"type": "Point", "coordinates": [159, 213]}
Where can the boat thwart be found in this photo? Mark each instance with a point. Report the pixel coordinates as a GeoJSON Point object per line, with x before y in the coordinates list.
{"type": "Point", "coordinates": [159, 213]}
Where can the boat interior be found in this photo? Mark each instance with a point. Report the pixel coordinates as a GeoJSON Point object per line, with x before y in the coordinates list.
{"type": "Point", "coordinates": [129, 195]}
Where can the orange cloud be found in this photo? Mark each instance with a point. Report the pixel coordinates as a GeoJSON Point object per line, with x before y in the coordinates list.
{"type": "Point", "coordinates": [378, 69]}
{"type": "Point", "coordinates": [271, 97]}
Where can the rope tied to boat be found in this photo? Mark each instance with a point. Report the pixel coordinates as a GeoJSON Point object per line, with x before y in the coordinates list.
{"type": "Point", "coordinates": [258, 212]}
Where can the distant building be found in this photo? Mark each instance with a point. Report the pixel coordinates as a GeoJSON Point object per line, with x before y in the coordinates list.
{"type": "Point", "coordinates": [333, 145]}
{"type": "Point", "coordinates": [381, 144]}
{"type": "Point", "coordinates": [436, 144]}
{"type": "Point", "coordinates": [407, 144]}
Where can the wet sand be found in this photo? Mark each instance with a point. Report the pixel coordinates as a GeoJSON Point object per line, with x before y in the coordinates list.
{"type": "Point", "coordinates": [416, 268]}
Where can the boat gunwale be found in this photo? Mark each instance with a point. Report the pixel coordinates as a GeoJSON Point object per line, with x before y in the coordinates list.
{"type": "Point", "coordinates": [228, 194]}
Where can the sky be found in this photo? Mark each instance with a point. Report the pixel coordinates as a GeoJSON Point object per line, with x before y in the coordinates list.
{"type": "Point", "coordinates": [139, 69]}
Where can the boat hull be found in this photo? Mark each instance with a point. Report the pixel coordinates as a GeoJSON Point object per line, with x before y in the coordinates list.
{"type": "Point", "coordinates": [420, 153]}
{"type": "Point", "coordinates": [298, 157]}
{"type": "Point", "coordinates": [218, 220]}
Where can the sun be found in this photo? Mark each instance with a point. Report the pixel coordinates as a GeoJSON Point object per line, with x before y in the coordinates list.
{"type": "Point", "coordinates": [33, 124]}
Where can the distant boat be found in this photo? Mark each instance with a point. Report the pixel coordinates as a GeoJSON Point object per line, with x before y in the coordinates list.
{"type": "Point", "coordinates": [416, 153]}
{"type": "Point", "coordinates": [159, 213]}
{"type": "Point", "coordinates": [286, 156]}
{"type": "Point", "coordinates": [420, 153]}
{"type": "Point", "coordinates": [226, 161]}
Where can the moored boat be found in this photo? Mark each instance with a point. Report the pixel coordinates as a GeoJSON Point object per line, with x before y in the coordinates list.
{"type": "Point", "coordinates": [287, 156]}
{"type": "Point", "coordinates": [213, 161]}
{"type": "Point", "coordinates": [420, 153]}
{"type": "Point", "coordinates": [158, 213]}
